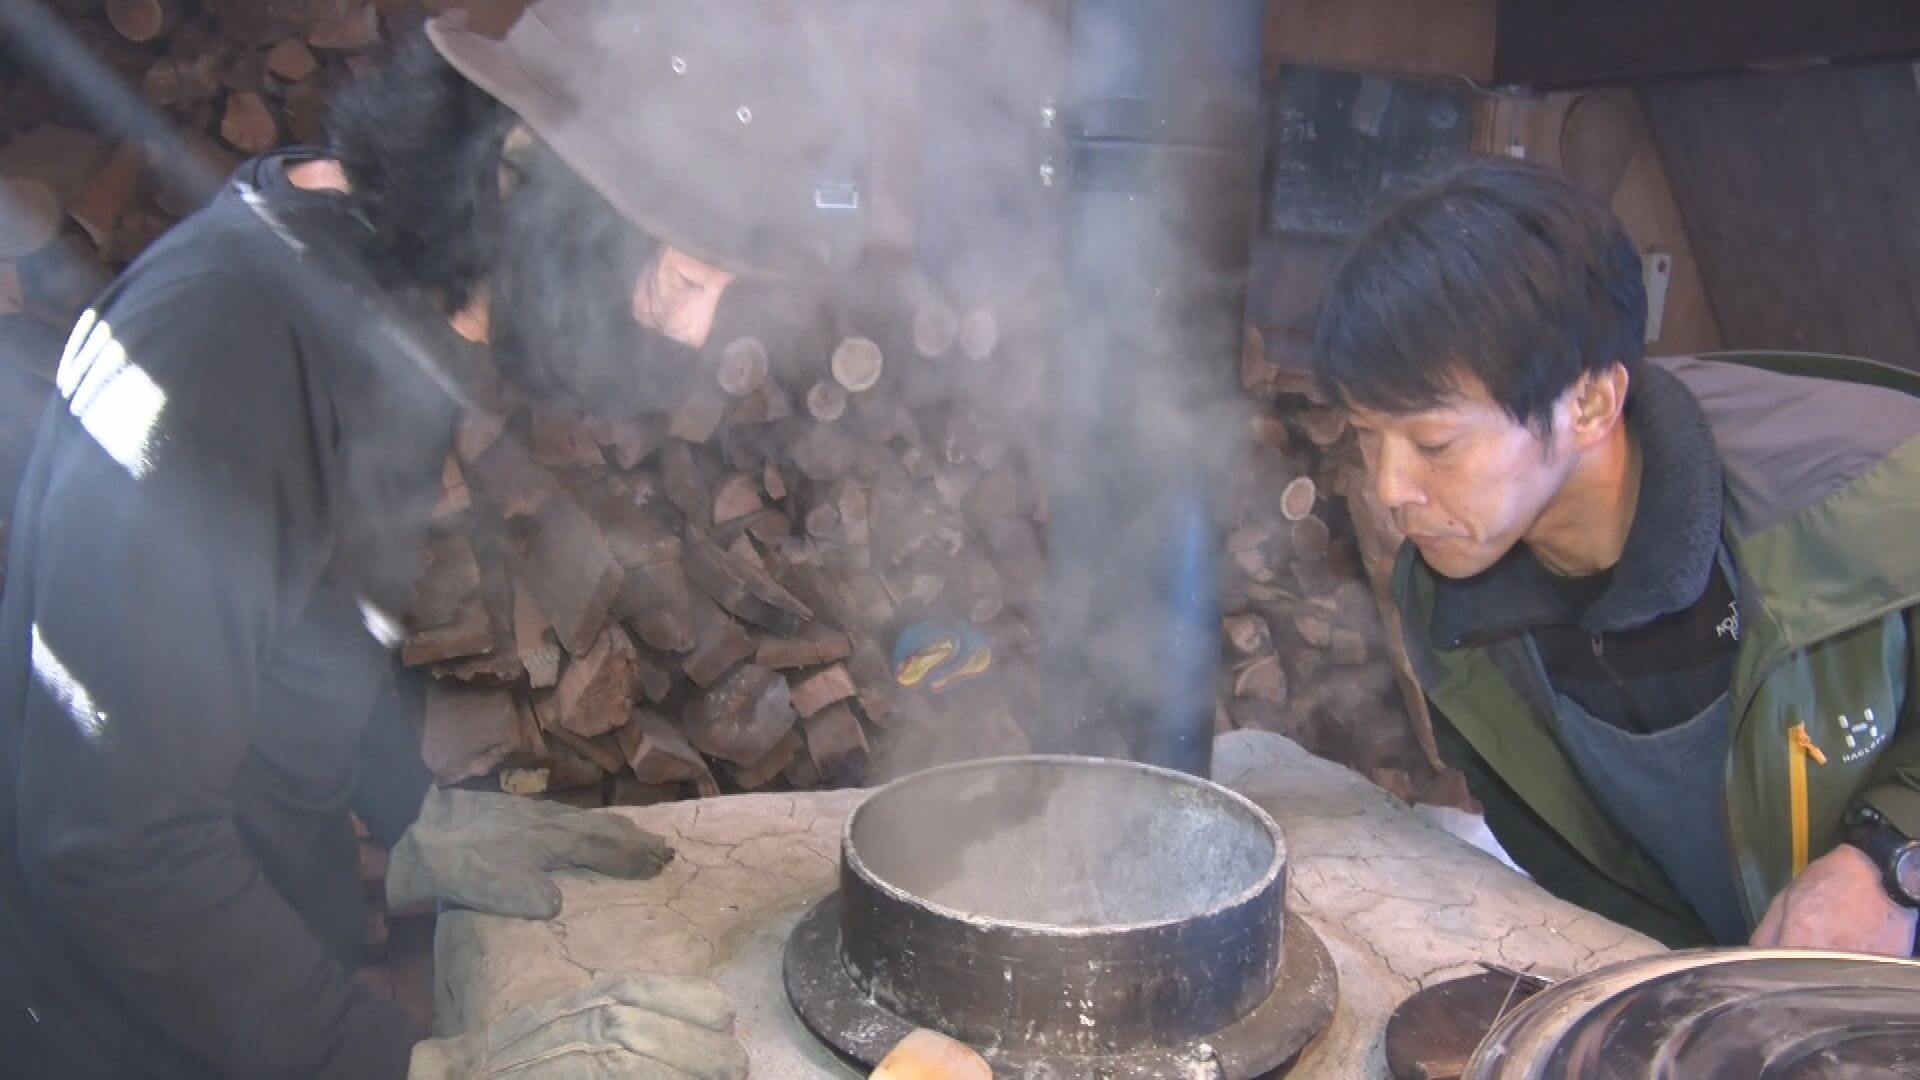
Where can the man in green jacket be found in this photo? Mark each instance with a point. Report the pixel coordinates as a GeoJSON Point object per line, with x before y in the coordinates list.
{"type": "Point", "coordinates": [1664, 609]}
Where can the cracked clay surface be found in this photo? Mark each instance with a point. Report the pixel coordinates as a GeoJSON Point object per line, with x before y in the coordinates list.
{"type": "Point", "coordinates": [1399, 903]}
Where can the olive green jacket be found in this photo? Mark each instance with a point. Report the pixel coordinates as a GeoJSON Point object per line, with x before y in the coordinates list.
{"type": "Point", "coordinates": [1821, 463]}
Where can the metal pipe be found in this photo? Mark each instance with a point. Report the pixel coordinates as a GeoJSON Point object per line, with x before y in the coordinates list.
{"type": "Point", "coordinates": [1161, 201]}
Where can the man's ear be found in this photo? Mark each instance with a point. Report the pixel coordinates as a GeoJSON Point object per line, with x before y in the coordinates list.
{"type": "Point", "coordinates": [1599, 403]}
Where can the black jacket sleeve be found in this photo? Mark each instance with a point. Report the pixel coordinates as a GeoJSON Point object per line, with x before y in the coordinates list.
{"type": "Point", "coordinates": [393, 780]}
{"type": "Point", "coordinates": [173, 530]}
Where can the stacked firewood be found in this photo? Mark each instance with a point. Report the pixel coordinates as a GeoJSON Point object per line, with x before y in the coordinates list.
{"type": "Point", "coordinates": [705, 597]}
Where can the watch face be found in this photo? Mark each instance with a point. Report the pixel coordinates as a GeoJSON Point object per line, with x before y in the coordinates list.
{"type": "Point", "coordinates": [1906, 872]}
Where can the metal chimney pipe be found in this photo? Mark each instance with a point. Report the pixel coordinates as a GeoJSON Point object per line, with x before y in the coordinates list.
{"type": "Point", "coordinates": [1162, 191]}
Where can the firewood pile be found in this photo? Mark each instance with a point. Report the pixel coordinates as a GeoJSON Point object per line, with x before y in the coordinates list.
{"type": "Point", "coordinates": [706, 597]}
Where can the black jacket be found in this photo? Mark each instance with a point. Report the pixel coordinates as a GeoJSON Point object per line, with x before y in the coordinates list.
{"type": "Point", "coordinates": [187, 665]}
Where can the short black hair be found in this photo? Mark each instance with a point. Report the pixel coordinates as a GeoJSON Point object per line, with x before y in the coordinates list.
{"type": "Point", "coordinates": [450, 208]}
{"type": "Point", "coordinates": [1499, 271]}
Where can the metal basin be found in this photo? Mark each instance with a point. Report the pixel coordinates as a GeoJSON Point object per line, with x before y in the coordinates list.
{"type": "Point", "coordinates": [1051, 906]}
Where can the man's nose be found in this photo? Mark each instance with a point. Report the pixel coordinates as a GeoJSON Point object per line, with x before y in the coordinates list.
{"type": "Point", "coordinates": [1396, 478]}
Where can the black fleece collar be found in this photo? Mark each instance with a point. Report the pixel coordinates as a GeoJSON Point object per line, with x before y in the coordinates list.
{"type": "Point", "coordinates": [1670, 549]}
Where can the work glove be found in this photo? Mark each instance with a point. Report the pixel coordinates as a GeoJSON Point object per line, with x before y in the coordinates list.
{"type": "Point", "coordinates": [644, 1027]}
{"type": "Point", "coordinates": [493, 853]}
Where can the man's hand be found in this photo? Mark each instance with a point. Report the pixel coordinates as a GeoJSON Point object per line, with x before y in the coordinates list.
{"type": "Point", "coordinates": [1839, 903]}
{"type": "Point", "coordinates": [493, 853]}
{"type": "Point", "coordinates": [661, 1027]}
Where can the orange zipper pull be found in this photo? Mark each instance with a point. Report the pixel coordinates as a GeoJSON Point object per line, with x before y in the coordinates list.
{"type": "Point", "coordinates": [1804, 743]}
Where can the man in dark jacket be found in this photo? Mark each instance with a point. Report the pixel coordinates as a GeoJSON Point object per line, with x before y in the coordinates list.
{"type": "Point", "coordinates": [1664, 610]}
{"type": "Point", "coordinates": [223, 513]}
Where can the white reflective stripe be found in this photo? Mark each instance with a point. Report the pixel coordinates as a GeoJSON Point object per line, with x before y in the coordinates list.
{"type": "Point", "coordinates": [67, 690]}
{"type": "Point", "coordinates": [117, 402]}
{"type": "Point", "coordinates": [385, 628]}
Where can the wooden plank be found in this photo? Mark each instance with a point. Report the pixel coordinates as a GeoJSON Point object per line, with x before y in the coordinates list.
{"type": "Point", "coordinates": [573, 577]}
{"type": "Point", "coordinates": [1410, 37]}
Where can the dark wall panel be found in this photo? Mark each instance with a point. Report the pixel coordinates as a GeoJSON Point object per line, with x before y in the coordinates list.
{"type": "Point", "coordinates": [1801, 193]}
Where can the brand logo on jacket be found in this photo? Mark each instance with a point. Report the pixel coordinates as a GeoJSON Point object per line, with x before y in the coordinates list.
{"type": "Point", "coordinates": [1862, 737]}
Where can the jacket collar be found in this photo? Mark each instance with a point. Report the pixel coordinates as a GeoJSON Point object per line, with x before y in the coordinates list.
{"type": "Point", "coordinates": [1670, 549]}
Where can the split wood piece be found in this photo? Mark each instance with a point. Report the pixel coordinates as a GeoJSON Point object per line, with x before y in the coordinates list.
{"type": "Point", "coordinates": [633, 536]}
{"type": "Point", "coordinates": [653, 679]}
{"type": "Point", "coordinates": [627, 441]}
{"type": "Point", "coordinates": [773, 482]}
{"type": "Point", "coordinates": [176, 82]}
{"type": "Point", "coordinates": [468, 632]}
{"type": "Point", "coordinates": [769, 527]}
{"type": "Point", "coordinates": [469, 731]}
{"type": "Point", "coordinates": [874, 676]}
{"type": "Point", "coordinates": [141, 21]}
{"type": "Point", "coordinates": [108, 192]}
{"type": "Point", "coordinates": [801, 773]}
{"type": "Point", "coordinates": [305, 104]}
{"type": "Point", "coordinates": [695, 419]}
{"type": "Point", "coordinates": [1348, 647]}
{"type": "Point", "coordinates": [657, 752]}
{"type": "Point", "coordinates": [979, 334]}
{"type": "Point", "coordinates": [656, 602]}
{"type": "Point", "coordinates": [628, 791]}
{"type": "Point", "coordinates": [475, 433]}
{"type": "Point", "coordinates": [597, 690]}
{"type": "Point", "coordinates": [1310, 538]}
{"type": "Point", "coordinates": [763, 406]}
{"type": "Point", "coordinates": [603, 752]}
{"type": "Point", "coordinates": [1323, 425]}
{"type": "Point", "coordinates": [851, 500]}
{"type": "Point", "coordinates": [837, 744]}
{"type": "Point", "coordinates": [1269, 431]}
{"type": "Point", "coordinates": [771, 764]}
{"type": "Point", "coordinates": [533, 639]}
{"type": "Point", "coordinates": [451, 575]}
{"type": "Point", "coordinates": [32, 217]}
{"type": "Point", "coordinates": [291, 60]}
{"type": "Point", "coordinates": [1261, 678]}
{"type": "Point", "coordinates": [455, 498]}
{"type": "Point", "coordinates": [719, 643]}
{"type": "Point", "coordinates": [570, 572]}
{"type": "Point", "coordinates": [935, 326]}
{"type": "Point", "coordinates": [822, 522]}
{"type": "Point", "coordinates": [1297, 498]}
{"type": "Point", "coordinates": [500, 664]}
{"type": "Point", "coordinates": [739, 495]}
{"type": "Point", "coordinates": [1248, 634]}
{"type": "Point", "coordinates": [856, 364]}
{"type": "Point", "coordinates": [1314, 629]}
{"type": "Point", "coordinates": [827, 401]}
{"type": "Point", "coordinates": [815, 646]}
{"type": "Point", "coordinates": [742, 718]}
{"type": "Point", "coordinates": [686, 490]}
{"type": "Point", "coordinates": [509, 479]}
{"type": "Point", "coordinates": [744, 589]}
{"type": "Point", "coordinates": [248, 125]}
{"type": "Point", "coordinates": [743, 366]}
{"type": "Point", "coordinates": [812, 693]}
{"type": "Point", "coordinates": [354, 31]}
{"type": "Point", "coordinates": [823, 453]}
{"type": "Point", "coordinates": [559, 440]}
{"type": "Point", "coordinates": [568, 769]}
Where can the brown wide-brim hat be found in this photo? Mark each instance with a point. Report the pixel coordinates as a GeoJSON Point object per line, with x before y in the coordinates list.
{"type": "Point", "coordinates": [715, 127]}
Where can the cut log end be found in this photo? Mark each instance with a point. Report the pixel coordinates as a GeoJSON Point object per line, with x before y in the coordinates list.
{"type": "Point", "coordinates": [743, 366]}
{"type": "Point", "coordinates": [857, 364]}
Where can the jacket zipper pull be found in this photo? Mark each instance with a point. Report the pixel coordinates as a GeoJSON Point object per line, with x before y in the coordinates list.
{"type": "Point", "coordinates": [1805, 744]}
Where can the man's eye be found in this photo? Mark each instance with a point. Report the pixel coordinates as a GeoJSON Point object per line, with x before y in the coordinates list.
{"type": "Point", "coordinates": [1434, 449]}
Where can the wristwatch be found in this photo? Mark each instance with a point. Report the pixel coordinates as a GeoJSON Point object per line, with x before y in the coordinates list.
{"type": "Point", "coordinates": [1896, 854]}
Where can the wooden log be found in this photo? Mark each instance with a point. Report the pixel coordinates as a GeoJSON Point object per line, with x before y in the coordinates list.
{"type": "Point", "coordinates": [32, 217]}
{"type": "Point", "coordinates": [455, 497]}
{"type": "Point", "coordinates": [468, 731]}
{"type": "Point", "coordinates": [744, 589]}
{"type": "Point", "coordinates": [509, 480]}
{"type": "Point", "coordinates": [499, 664]}
{"type": "Point", "coordinates": [107, 193]}
{"type": "Point", "coordinates": [558, 439]}
{"type": "Point", "coordinates": [812, 693]}
{"type": "Point", "coordinates": [822, 453]}
{"type": "Point", "coordinates": [935, 327]}
{"type": "Point", "coordinates": [602, 751]}
{"type": "Point", "coordinates": [773, 482]}
{"type": "Point", "coordinates": [248, 125]}
{"type": "Point", "coordinates": [718, 644]}
{"type": "Point", "coordinates": [1249, 635]}
{"type": "Point", "coordinates": [572, 575]}
{"type": "Point", "coordinates": [175, 82]}
{"type": "Point", "coordinates": [1270, 432]}
{"type": "Point", "coordinates": [141, 21]}
{"type": "Point", "coordinates": [979, 334]}
{"type": "Point", "coordinates": [597, 690]}
{"type": "Point", "coordinates": [856, 364]}
{"type": "Point", "coordinates": [743, 366]}
{"type": "Point", "coordinates": [1323, 425]}
{"type": "Point", "coordinates": [291, 60]}
{"type": "Point", "coordinates": [816, 645]}
{"type": "Point", "coordinates": [761, 772]}
{"type": "Point", "coordinates": [686, 490]}
{"type": "Point", "coordinates": [696, 418]}
{"type": "Point", "coordinates": [1309, 537]}
{"type": "Point", "coordinates": [742, 717]}
{"type": "Point", "coordinates": [1261, 678]}
{"type": "Point", "coordinates": [451, 575]}
{"type": "Point", "coordinates": [739, 495]}
{"type": "Point", "coordinates": [822, 522]}
{"type": "Point", "coordinates": [468, 632]}
{"type": "Point", "coordinates": [827, 401]}
{"type": "Point", "coordinates": [627, 441]}
{"type": "Point", "coordinates": [1348, 647]}
{"type": "Point", "coordinates": [656, 602]}
{"type": "Point", "coordinates": [357, 30]}
{"type": "Point", "coordinates": [1297, 498]}
{"type": "Point", "coordinates": [533, 639]}
{"type": "Point", "coordinates": [764, 406]}
{"type": "Point", "coordinates": [837, 745]}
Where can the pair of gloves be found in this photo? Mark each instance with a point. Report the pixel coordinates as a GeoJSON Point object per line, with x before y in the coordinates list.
{"type": "Point", "coordinates": [494, 853]}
